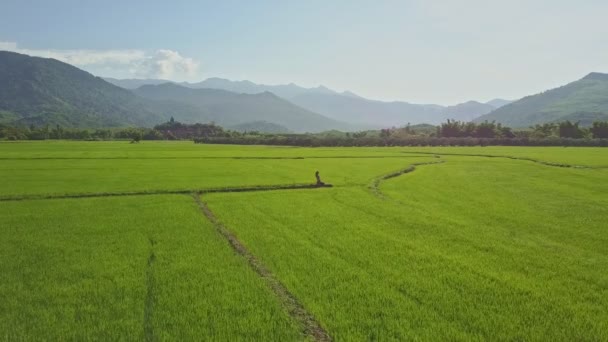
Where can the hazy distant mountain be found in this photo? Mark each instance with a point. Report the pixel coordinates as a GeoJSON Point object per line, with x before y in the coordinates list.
{"type": "Point", "coordinates": [374, 114]}
{"type": "Point", "coordinates": [247, 87]}
{"type": "Point", "coordinates": [585, 100]}
{"type": "Point", "coordinates": [259, 126]}
{"type": "Point", "coordinates": [466, 111]}
{"type": "Point", "coordinates": [386, 114]}
{"type": "Point", "coordinates": [351, 94]}
{"type": "Point", "coordinates": [348, 106]}
{"type": "Point", "coordinates": [497, 103]}
{"type": "Point", "coordinates": [45, 91]}
{"type": "Point", "coordinates": [133, 83]}
{"type": "Point", "coordinates": [286, 91]}
{"type": "Point", "coordinates": [228, 108]}
{"type": "Point", "coordinates": [40, 91]}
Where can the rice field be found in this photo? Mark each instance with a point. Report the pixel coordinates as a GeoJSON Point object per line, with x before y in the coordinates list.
{"type": "Point", "coordinates": [127, 268]}
{"type": "Point", "coordinates": [489, 243]}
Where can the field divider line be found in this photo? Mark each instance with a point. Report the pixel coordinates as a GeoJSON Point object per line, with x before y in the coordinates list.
{"type": "Point", "coordinates": [375, 185]}
{"type": "Point", "coordinates": [311, 328]}
{"type": "Point", "coordinates": [206, 157]}
{"type": "Point", "coordinates": [166, 192]}
{"type": "Point", "coordinates": [150, 289]}
{"type": "Point", "coordinates": [538, 161]}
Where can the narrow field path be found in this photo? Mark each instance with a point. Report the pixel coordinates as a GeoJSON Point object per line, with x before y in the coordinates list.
{"type": "Point", "coordinates": [375, 185]}
{"type": "Point", "coordinates": [149, 303]}
{"type": "Point", "coordinates": [165, 192]}
{"type": "Point", "coordinates": [538, 161]}
{"type": "Point", "coordinates": [311, 328]}
{"type": "Point", "coordinates": [207, 157]}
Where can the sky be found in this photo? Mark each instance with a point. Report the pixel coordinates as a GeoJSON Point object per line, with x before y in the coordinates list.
{"type": "Point", "coordinates": [419, 51]}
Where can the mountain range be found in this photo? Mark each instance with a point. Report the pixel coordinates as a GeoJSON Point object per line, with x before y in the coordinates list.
{"type": "Point", "coordinates": [585, 100]}
{"type": "Point", "coordinates": [342, 106]}
{"type": "Point", "coordinates": [287, 91]}
{"type": "Point", "coordinates": [43, 91]}
{"type": "Point", "coordinates": [387, 114]}
{"type": "Point", "coordinates": [228, 108]}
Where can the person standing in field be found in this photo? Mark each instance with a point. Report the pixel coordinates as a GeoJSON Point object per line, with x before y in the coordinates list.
{"type": "Point", "coordinates": [319, 183]}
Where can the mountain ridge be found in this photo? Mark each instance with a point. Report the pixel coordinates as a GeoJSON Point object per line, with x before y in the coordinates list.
{"type": "Point", "coordinates": [584, 100]}
{"type": "Point", "coordinates": [41, 91]}
{"type": "Point", "coordinates": [44, 91]}
{"type": "Point", "coordinates": [229, 108]}
{"type": "Point", "coordinates": [350, 107]}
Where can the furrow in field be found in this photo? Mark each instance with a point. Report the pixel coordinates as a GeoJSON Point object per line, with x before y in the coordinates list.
{"type": "Point", "coordinates": [204, 157]}
{"type": "Point", "coordinates": [538, 161]}
{"type": "Point", "coordinates": [149, 304]}
{"type": "Point", "coordinates": [310, 327]}
{"type": "Point", "coordinates": [375, 185]}
{"type": "Point", "coordinates": [166, 192]}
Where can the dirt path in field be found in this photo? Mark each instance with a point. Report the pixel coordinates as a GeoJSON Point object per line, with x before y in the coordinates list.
{"type": "Point", "coordinates": [538, 161]}
{"type": "Point", "coordinates": [166, 192]}
{"type": "Point", "coordinates": [311, 328]}
{"type": "Point", "coordinates": [149, 303]}
{"type": "Point", "coordinates": [375, 185]}
{"type": "Point", "coordinates": [208, 157]}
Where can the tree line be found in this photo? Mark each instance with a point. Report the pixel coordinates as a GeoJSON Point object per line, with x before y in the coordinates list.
{"type": "Point", "coordinates": [370, 141]}
{"type": "Point", "coordinates": [449, 133]}
{"type": "Point", "coordinates": [58, 132]}
{"type": "Point", "coordinates": [565, 129]}
{"type": "Point", "coordinates": [171, 130]}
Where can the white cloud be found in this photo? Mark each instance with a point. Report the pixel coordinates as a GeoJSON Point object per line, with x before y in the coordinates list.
{"type": "Point", "coordinates": [165, 64]}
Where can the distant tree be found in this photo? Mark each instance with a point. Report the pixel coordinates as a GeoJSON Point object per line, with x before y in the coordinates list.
{"type": "Point", "coordinates": [468, 129]}
{"type": "Point", "coordinates": [485, 130]}
{"type": "Point", "coordinates": [102, 134]}
{"type": "Point", "coordinates": [599, 130]}
{"type": "Point", "coordinates": [545, 130]}
{"type": "Point", "coordinates": [506, 132]}
{"type": "Point", "coordinates": [57, 132]}
{"type": "Point", "coordinates": [451, 129]}
{"type": "Point", "coordinates": [172, 120]}
{"type": "Point", "coordinates": [153, 134]}
{"type": "Point", "coordinates": [568, 129]}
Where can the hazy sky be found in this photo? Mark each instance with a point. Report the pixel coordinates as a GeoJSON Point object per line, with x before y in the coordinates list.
{"type": "Point", "coordinates": [418, 51]}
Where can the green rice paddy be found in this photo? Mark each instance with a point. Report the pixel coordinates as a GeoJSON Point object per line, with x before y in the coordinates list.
{"type": "Point", "coordinates": [510, 247]}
